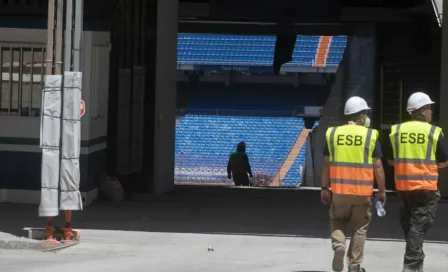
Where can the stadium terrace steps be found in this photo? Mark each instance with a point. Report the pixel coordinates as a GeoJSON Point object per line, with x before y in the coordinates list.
{"type": "Point", "coordinates": [294, 176]}
{"type": "Point", "coordinates": [322, 51]}
{"type": "Point", "coordinates": [292, 156]}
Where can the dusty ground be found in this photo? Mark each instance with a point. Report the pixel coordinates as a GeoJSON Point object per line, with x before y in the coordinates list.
{"type": "Point", "coordinates": [250, 230]}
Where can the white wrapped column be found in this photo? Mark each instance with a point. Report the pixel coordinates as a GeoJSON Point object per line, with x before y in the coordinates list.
{"type": "Point", "coordinates": [71, 143]}
{"type": "Point", "coordinates": [49, 142]}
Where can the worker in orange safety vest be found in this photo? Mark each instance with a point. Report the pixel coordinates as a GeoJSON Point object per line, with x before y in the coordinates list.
{"type": "Point", "coordinates": [352, 161]}
{"type": "Point", "coordinates": [418, 151]}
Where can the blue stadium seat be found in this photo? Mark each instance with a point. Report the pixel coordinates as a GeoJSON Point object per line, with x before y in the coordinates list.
{"type": "Point", "coordinates": [204, 143]}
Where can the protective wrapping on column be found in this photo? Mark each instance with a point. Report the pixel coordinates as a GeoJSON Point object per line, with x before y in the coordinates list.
{"type": "Point", "coordinates": [71, 142]}
{"type": "Point", "coordinates": [49, 142]}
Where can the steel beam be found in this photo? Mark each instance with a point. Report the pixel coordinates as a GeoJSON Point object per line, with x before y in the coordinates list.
{"type": "Point", "coordinates": [348, 14]}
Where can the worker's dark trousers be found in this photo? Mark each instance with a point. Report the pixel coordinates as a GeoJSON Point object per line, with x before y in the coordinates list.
{"type": "Point", "coordinates": [418, 211]}
{"type": "Point", "coordinates": [241, 180]}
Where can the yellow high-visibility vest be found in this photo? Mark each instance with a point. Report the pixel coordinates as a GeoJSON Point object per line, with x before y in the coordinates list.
{"type": "Point", "coordinates": [351, 164]}
{"type": "Point", "coordinates": [414, 145]}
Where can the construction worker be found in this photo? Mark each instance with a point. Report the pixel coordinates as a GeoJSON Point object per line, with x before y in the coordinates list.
{"type": "Point", "coordinates": [238, 166]}
{"type": "Point", "coordinates": [418, 151]}
{"type": "Point", "coordinates": [352, 161]}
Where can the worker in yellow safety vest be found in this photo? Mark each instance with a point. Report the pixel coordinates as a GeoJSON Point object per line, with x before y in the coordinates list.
{"type": "Point", "coordinates": [418, 151]}
{"type": "Point", "coordinates": [352, 161]}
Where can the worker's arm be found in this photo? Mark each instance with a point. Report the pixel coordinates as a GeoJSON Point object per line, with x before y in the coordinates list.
{"type": "Point", "coordinates": [325, 194]}
{"type": "Point", "coordinates": [379, 175]}
{"type": "Point", "coordinates": [326, 167]}
{"type": "Point", "coordinates": [229, 169]}
{"type": "Point", "coordinates": [326, 172]}
{"type": "Point", "coordinates": [378, 171]}
{"type": "Point", "coordinates": [389, 152]}
{"type": "Point", "coordinates": [441, 153]}
{"type": "Point", "coordinates": [248, 168]}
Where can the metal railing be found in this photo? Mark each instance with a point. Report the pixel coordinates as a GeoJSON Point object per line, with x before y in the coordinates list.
{"type": "Point", "coordinates": [22, 79]}
{"type": "Point", "coordinates": [235, 112]}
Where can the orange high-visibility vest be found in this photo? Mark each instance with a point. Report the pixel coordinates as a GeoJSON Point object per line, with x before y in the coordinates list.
{"type": "Point", "coordinates": [351, 163]}
{"type": "Point", "coordinates": [414, 145]}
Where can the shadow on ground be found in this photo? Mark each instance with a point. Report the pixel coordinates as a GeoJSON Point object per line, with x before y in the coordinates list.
{"type": "Point", "coordinates": [217, 210]}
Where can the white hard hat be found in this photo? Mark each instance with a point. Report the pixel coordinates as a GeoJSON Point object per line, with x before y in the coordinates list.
{"type": "Point", "coordinates": [418, 100]}
{"type": "Point", "coordinates": [355, 104]}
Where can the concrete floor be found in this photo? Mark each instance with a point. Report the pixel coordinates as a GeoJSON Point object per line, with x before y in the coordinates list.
{"type": "Point", "coordinates": [250, 230]}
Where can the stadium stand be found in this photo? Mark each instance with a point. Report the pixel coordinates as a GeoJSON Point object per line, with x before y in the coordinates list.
{"type": "Point", "coordinates": [204, 143]}
{"type": "Point", "coordinates": [217, 49]}
{"type": "Point", "coordinates": [239, 49]}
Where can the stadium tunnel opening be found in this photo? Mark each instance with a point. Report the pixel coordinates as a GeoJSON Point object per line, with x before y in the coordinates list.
{"type": "Point", "coordinates": [241, 91]}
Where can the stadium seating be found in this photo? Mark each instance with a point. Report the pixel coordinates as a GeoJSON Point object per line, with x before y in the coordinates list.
{"type": "Point", "coordinates": [241, 50]}
{"type": "Point", "coordinates": [216, 49]}
{"type": "Point", "coordinates": [336, 51]}
{"type": "Point", "coordinates": [204, 143]}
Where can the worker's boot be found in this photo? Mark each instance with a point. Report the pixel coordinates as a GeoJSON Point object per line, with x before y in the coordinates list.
{"type": "Point", "coordinates": [407, 268]}
{"type": "Point", "coordinates": [420, 268]}
{"type": "Point", "coordinates": [338, 259]}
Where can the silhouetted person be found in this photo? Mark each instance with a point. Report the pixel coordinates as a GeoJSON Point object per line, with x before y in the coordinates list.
{"type": "Point", "coordinates": [238, 166]}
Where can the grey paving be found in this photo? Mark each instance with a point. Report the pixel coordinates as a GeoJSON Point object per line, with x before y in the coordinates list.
{"type": "Point", "coordinates": [250, 230]}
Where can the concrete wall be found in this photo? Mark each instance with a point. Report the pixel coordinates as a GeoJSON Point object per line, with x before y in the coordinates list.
{"type": "Point", "coordinates": [19, 140]}
{"type": "Point", "coordinates": [165, 96]}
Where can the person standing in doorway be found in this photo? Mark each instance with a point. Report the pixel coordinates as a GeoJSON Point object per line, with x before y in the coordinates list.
{"type": "Point", "coordinates": [418, 151]}
{"type": "Point", "coordinates": [352, 161]}
{"type": "Point", "coordinates": [238, 166]}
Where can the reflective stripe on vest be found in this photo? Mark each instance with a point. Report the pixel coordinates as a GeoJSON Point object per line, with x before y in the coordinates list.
{"type": "Point", "coordinates": [351, 163]}
{"type": "Point", "coordinates": [414, 145]}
